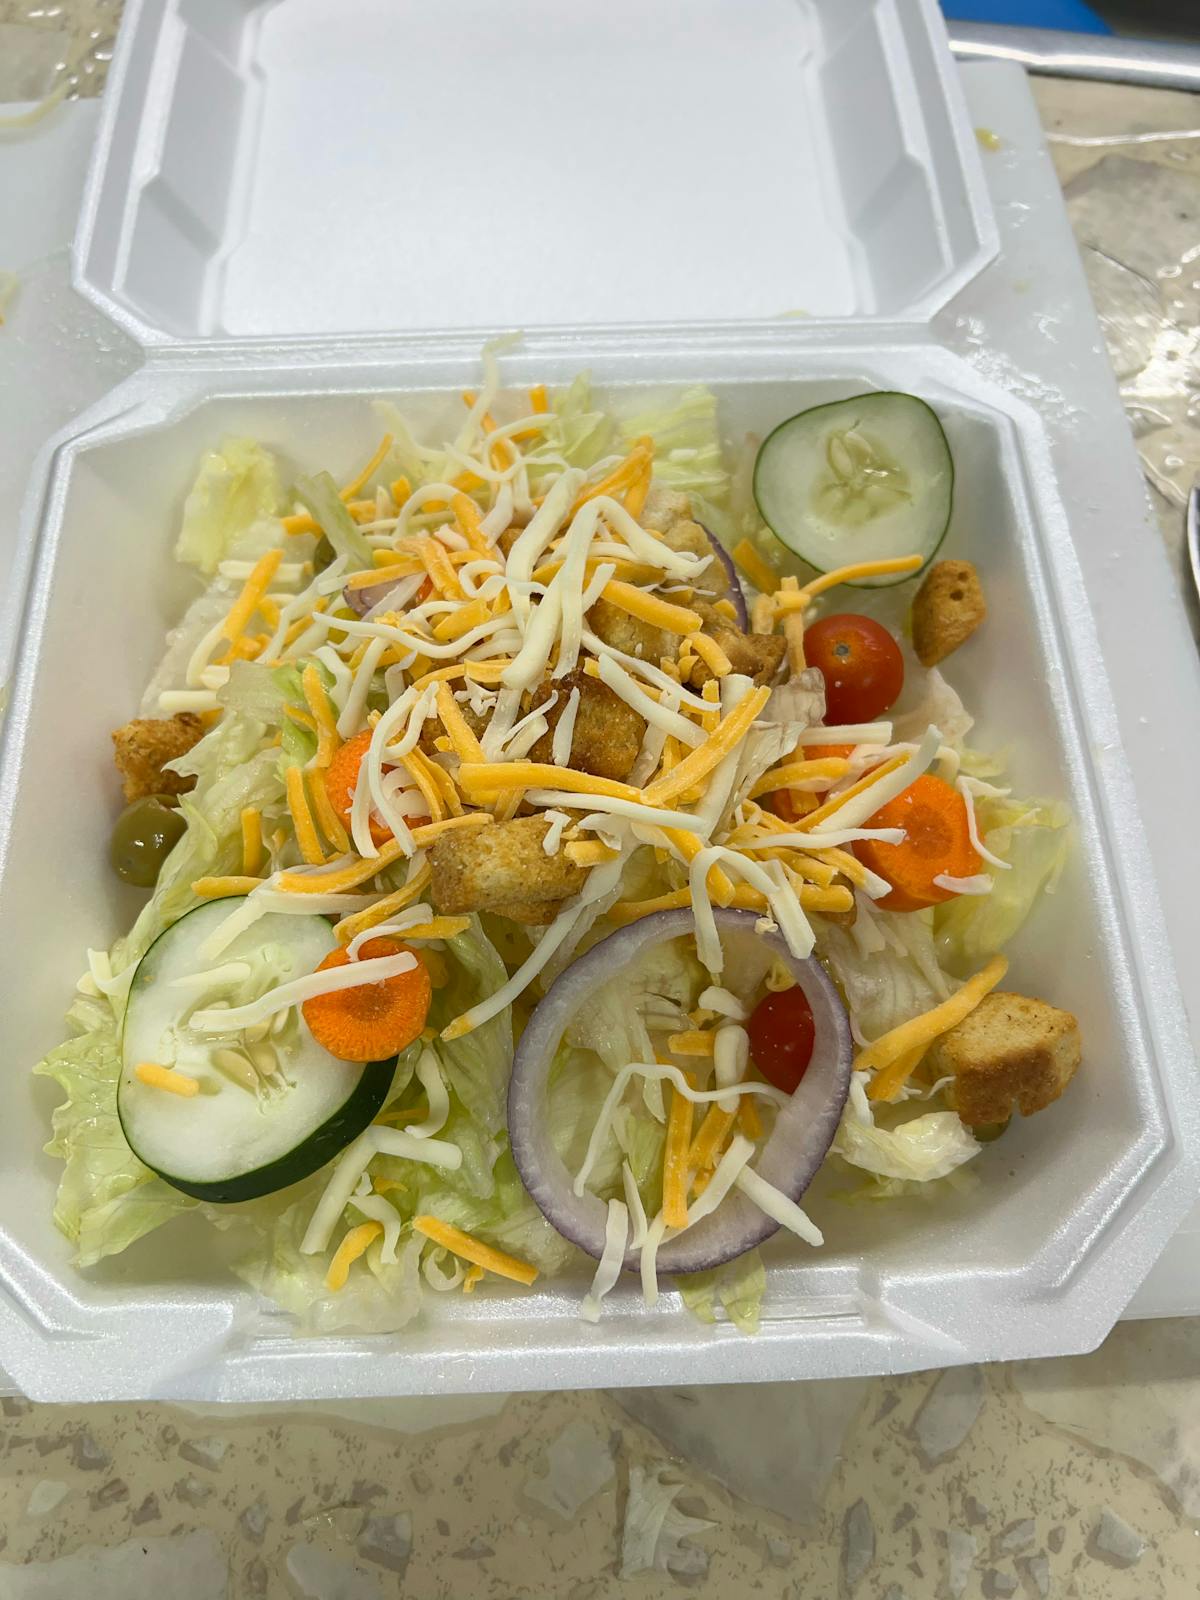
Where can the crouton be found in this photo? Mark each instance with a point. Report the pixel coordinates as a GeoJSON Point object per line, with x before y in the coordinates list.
{"type": "Point", "coordinates": [758, 655]}
{"type": "Point", "coordinates": [481, 869]}
{"type": "Point", "coordinates": [432, 730]}
{"type": "Point", "coordinates": [629, 634]}
{"type": "Point", "coordinates": [607, 735]}
{"type": "Point", "coordinates": [668, 513]}
{"type": "Point", "coordinates": [141, 749]}
{"type": "Point", "coordinates": [664, 508]}
{"type": "Point", "coordinates": [690, 537]}
{"type": "Point", "coordinates": [948, 608]}
{"type": "Point", "coordinates": [1011, 1053]}
{"type": "Point", "coordinates": [533, 913]}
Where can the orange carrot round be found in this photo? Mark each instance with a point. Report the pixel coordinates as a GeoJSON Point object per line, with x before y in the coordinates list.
{"type": "Point", "coordinates": [787, 804]}
{"type": "Point", "coordinates": [376, 1020]}
{"type": "Point", "coordinates": [341, 780]}
{"type": "Point", "coordinates": [937, 841]}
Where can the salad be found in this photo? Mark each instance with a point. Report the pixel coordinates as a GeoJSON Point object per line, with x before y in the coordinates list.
{"type": "Point", "coordinates": [560, 844]}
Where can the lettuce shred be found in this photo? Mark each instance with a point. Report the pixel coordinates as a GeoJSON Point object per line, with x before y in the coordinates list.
{"type": "Point", "coordinates": [235, 487]}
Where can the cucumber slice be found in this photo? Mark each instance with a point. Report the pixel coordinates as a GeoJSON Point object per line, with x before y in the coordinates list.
{"type": "Point", "coordinates": [865, 479]}
{"type": "Point", "coordinates": [245, 1133]}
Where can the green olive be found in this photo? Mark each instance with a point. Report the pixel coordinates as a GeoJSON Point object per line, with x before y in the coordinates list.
{"type": "Point", "coordinates": [143, 837]}
{"type": "Point", "coordinates": [989, 1132]}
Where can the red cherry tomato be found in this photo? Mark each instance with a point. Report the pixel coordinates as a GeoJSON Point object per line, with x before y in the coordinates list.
{"type": "Point", "coordinates": [861, 664]}
{"type": "Point", "coordinates": [781, 1037]}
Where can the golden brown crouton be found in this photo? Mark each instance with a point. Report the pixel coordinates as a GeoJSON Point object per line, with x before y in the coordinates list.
{"type": "Point", "coordinates": [758, 655]}
{"type": "Point", "coordinates": [664, 508]}
{"type": "Point", "coordinates": [142, 747]}
{"type": "Point", "coordinates": [690, 537]}
{"type": "Point", "coordinates": [668, 513]}
{"type": "Point", "coordinates": [630, 634]}
{"type": "Point", "coordinates": [1011, 1053]}
{"type": "Point", "coordinates": [482, 869]}
{"type": "Point", "coordinates": [948, 608]}
{"type": "Point", "coordinates": [607, 734]}
{"type": "Point", "coordinates": [432, 730]}
{"type": "Point", "coordinates": [533, 913]}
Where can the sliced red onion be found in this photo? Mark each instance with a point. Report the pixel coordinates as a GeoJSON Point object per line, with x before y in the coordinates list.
{"type": "Point", "coordinates": [736, 594]}
{"type": "Point", "coordinates": [361, 601]}
{"type": "Point", "coordinates": [804, 1127]}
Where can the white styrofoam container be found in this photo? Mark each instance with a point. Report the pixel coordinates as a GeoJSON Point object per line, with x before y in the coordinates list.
{"type": "Point", "coordinates": [1037, 1259]}
{"type": "Point", "coordinates": [1072, 1206]}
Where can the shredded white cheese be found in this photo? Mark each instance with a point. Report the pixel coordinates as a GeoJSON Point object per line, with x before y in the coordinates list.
{"type": "Point", "coordinates": [731, 1056]}
{"type": "Point", "coordinates": [558, 820]}
{"type": "Point", "coordinates": [778, 1206]}
{"type": "Point", "coordinates": [429, 1075]}
{"type": "Point", "coordinates": [648, 1260]}
{"type": "Point", "coordinates": [564, 732]}
{"type": "Point", "coordinates": [352, 976]}
{"type": "Point", "coordinates": [351, 716]}
{"type": "Point", "coordinates": [852, 813]}
{"type": "Point", "coordinates": [616, 1233]}
{"type": "Point", "coordinates": [637, 1211]}
{"type": "Point", "coordinates": [377, 1209]}
{"type": "Point", "coordinates": [654, 712]}
{"type": "Point", "coordinates": [723, 1003]}
{"type": "Point", "coordinates": [977, 883]}
{"type": "Point", "coordinates": [725, 1175]}
{"type": "Point", "coordinates": [966, 789]}
{"type": "Point", "coordinates": [874, 733]}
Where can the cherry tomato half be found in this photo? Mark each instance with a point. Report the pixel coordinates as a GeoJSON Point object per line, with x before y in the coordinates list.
{"type": "Point", "coordinates": [861, 664]}
{"type": "Point", "coordinates": [781, 1034]}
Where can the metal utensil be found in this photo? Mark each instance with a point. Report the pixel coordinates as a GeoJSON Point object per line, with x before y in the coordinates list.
{"type": "Point", "coordinates": [1193, 537]}
{"type": "Point", "coordinates": [1059, 54]}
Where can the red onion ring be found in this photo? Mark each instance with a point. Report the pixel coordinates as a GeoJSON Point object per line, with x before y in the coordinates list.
{"type": "Point", "coordinates": [799, 1141]}
{"type": "Point", "coordinates": [736, 592]}
{"type": "Point", "coordinates": [360, 601]}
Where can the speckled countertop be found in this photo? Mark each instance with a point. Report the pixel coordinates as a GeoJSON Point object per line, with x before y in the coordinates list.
{"type": "Point", "coordinates": [1077, 1477]}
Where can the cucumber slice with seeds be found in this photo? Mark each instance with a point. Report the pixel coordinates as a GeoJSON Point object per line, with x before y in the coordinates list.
{"type": "Point", "coordinates": [270, 1109]}
{"type": "Point", "coordinates": [865, 479]}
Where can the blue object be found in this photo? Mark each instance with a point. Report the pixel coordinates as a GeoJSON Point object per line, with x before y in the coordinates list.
{"type": "Point", "coordinates": [1069, 14]}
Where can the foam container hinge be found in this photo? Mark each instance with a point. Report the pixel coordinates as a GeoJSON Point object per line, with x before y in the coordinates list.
{"type": "Point", "coordinates": [1071, 1207]}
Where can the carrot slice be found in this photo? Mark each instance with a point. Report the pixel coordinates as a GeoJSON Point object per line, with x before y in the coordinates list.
{"type": "Point", "coordinates": [937, 840]}
{"type": "Point", "coordinates": [376, 1020]}
{"type": "Point", "coordinates": [790, 804]}
{"type": "Point", "coordinates": [341, 780]}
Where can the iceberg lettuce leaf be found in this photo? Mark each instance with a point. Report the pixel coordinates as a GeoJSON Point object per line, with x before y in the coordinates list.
{"type": "Point", "coordinates": [235, 486]}
{"type": "Point", "coordinates": [920, 1149]}
{"type": "Point", "coordinates": [106, 1197]}
{"type": "Point", "coordinates": [738, 1287]}
{"type": "Point", "coordinates": [1034, 837]}
{"type": "Point", "coordinates": [320, 498]}
{"type": "Point", "coordinates": [478, 1064]}
{"type": "Point", "coordinates": [261, 1243]}
{"type": "Point", "coordinates": [687, 445]}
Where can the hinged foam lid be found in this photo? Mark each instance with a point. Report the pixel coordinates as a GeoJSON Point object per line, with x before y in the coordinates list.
{"type": "Point", "coordinates": [318, 167]}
